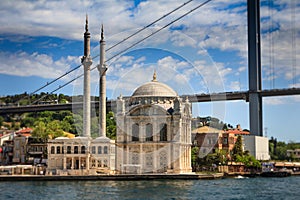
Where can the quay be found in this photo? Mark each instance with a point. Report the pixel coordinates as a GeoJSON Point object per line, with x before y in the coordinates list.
{"type": "Point", "coordinates": [121, 177]}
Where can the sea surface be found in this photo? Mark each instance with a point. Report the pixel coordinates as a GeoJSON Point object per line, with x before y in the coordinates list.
{"type": "Point", "coordinates": [229, 188]}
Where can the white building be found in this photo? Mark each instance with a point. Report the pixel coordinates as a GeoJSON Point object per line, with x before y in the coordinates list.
{"type": "Point", "coordinates": [81, 156]}
{"type": "Point", "coordinates": [153, 131]}
{"type": "Point", "coordinates": [257, 146]}
{"type": "Point", "coordinates": [85, 155]}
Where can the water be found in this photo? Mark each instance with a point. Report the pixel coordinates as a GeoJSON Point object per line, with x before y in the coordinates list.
{"type": "Point", "coordinates": [229, 188]}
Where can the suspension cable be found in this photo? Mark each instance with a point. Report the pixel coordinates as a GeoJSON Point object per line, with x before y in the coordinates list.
{"type": "Point", "coordinates": [187, 13]}
{"type": "Point", "coordinates": [293, 30]}
{"type": "Point", "coordinates": [118, 43]}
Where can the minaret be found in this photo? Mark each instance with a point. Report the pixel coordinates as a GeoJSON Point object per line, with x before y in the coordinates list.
{"type": "Point", "coordinates": [86, 62]}
{"type": "Point", "coordinates": [102, 87]}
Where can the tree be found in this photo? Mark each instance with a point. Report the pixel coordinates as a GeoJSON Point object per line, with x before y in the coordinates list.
{"type": "Point", "coordinates": [40, 131]}
{"type": "Point", "coordinates": [1, 121]}
{"type": "Point", "coordinates": [248, 161]}
{"type": "Point", "coordinates": [111, 129]}
{"type": "Point", "coordinates": [54, 129]}
{"type": "Point", "coordinates": [27, 122]}
{"type": "Point", "coordinates": [238, 147]}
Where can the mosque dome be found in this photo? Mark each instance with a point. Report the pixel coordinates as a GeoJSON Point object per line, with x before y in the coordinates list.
{"type": "Point", "coordinates": [154, 89]}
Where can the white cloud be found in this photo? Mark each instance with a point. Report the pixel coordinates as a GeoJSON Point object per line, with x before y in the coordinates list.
{"type": "Point", "coordinates": [214, 26]}
{"type": "Point", "coordinates": [40, 65]}
{"type": "Point", "coordinates": [274, 101]}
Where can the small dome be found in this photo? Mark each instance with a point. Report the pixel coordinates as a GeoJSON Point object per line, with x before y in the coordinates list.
{"type": "Point", "coordinates": [101, 139]}
{"type": "Point", "coordinates": [154, 89]}
{"type": "Point", "coordinates": [60, 138]}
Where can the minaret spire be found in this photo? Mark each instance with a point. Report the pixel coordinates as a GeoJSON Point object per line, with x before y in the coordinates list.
{"type": "Point", "coordinates": [87, 37]}
{"type": "Point", "coordinates": [102, 86]}
{"type": "Point", "coordinates": [86, 62]}
{"type": "Point", "coordinates": [86, 23]}
{"type": "Point", "coordinates": [102, 33]}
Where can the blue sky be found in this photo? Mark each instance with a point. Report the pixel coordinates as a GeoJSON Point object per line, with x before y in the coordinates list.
{"type": "Point", "coordinates": [203, 52]}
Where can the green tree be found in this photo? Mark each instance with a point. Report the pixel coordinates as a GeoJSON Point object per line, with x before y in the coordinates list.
{"type": "Point", "coordinates": [54, 129]}
{"type": "Point", "coordinates": [28, 122]}
{"type": "Point", "coordinates": [238, 147]}
{"type": "Point", "coordinates": [248, 161]}
{"type": "Point", "coordinates": [40, 131]}
{"type": "Point", "coordinates": [111, 129]}
{"type": "Point", "coordinates": [1, 121]}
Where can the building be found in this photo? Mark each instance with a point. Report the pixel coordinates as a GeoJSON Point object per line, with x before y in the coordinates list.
{"type": "Point", "coordinates": [81, 156]}
{"type": "Point", "coordinates": [210, 140]}
{"type": "Point", "coordinates": [153, 131]}
{"type": "Point", "coordinates": [237, 131]}
{"type": "Point", "coordinates": [84, 155]}
{"type": "Point", "coordinates": [257, 146]}
{"type": "Point", "coordinates": [294, 153]}
{"type": "Point", "coordinates": [207, 139]}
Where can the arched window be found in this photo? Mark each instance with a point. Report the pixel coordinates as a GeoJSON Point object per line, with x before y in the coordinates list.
{"type": "Point", "coordinates": [135, 132]}
{"type": "Point", "coordinates": [58, 150]}
{"type": "Point", "coordinates": [52, 150]}
{"type": "Point", "coordinates": [149, 132]}
{"type": "Point", "coordinates": [105, 150]}
{"type": "Point", "coordinates": [93, 150]}
{"type": "Point", "coordinates": [83, 149]}
{"type": "Point", "coordinates": [99, 150]}
{"type": "Point", "coordinates": [68, 149]}
{"type": "Point", "coordinates": [75, 149]}
{"type": "Point", "coordinates": [163, 131]}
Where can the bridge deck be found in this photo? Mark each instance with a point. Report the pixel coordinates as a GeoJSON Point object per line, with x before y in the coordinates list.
{"type": "Point", "coordinates": [223, 96]}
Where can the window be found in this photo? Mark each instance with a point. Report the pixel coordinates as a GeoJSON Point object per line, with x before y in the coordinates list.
{"type": "Point", "coordinates": [93, 150]}
{"type": "Point", "coordinates": [135, 132]}
{"type": "Point", "coordinates": [105, 150]}
{"type": "Point", "coordinates": [75, 149]}
{"type": "Point", "coordinates": [93, 163]}
{"type": "Point", "coordinates": [99, 150]}
{"type": "Point", "coordinates": [52, 150]}
{"type": "Point", "coordinates": [83, 149]}
{"type": "Point", "coordinates": [149, 132]}
{"type": "Point", "coordinates": [58, 150]}
{"type": "Point", "coordinates": [105, 163]}
{"type": "Point", "coordinates": [163, 132]}
{"type": "Point", "coordinates": [225, 140]}
{"type": "Point", "coordinates": [99, 163]}
{"type": "Point", "coordinates": [68, 149]}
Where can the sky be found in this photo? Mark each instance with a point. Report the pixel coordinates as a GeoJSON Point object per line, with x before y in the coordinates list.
{"type": "Point", "coordinates": [203, 52]}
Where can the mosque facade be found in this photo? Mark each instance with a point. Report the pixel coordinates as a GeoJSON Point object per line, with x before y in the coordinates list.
{"type": "Point", "coordinates": [153, 132]}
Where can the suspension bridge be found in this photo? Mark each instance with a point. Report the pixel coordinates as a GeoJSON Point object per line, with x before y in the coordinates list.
{"type": "Point", "coordinates": [254, 95]}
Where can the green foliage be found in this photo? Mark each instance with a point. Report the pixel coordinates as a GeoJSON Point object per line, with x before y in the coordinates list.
{"type": "Point", "coordinates": [27, 122]}
{"type": "Point", "coordinates": [111, 128]}
{"type": "Point", "coordinates": [194, 155]}
{"type": "Point", "coordinates": [248, 160]}
{"type": "Point", "coordinates": [278, 149]}
{"type": "Point", "coordinates": [1, 121]}
{"type": "Point", "coordinates": [47, 131]}
{"type": "Point", "coordinates": [39, 131]}
{"type": "Point", "coordinates": [54, 129]}
{"type": "Point", "coordinates": [238, 147]}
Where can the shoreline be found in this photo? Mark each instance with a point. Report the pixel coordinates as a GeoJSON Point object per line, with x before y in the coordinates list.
{"type": "Point", "coordinates": [128, 177]}
{"type": "Point", "coordinates": [121, 177]}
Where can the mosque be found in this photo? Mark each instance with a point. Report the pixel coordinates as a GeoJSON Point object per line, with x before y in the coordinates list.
{"type": "Point", "coordinates": [153, 131]}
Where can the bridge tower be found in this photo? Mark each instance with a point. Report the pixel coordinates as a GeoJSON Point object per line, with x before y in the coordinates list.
{"type": "Point", "coordinates": [102, 87]}
{"type": "Point", "coordinates": [254, 68]}
{"type": "Point", "coordinates": [86, 61]}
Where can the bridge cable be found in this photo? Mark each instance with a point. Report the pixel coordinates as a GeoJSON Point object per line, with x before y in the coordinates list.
{"type": "Point", "coordinates": [293, 29]}
{"type": "Point", "coordinates": [118, 43]}
{"type": "Point", "coordinates": [187, 13]}
{"type": "Point", "coordinates": [271, 45]}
